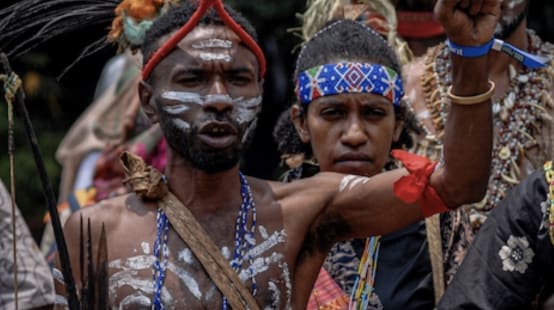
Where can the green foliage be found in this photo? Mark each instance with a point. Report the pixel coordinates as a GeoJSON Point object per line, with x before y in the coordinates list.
{"type": "Point", "coordinates": [29, 197]}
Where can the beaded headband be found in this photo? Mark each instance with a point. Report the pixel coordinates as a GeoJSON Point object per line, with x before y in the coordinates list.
{"type": "Point", "coordinates": [170, 44]}
{"type": "Point", "coordinates": [349, 77]}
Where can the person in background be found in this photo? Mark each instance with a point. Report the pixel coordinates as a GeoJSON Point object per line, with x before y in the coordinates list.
{"type": "Point", "coordinates": [511, 262]}
{"type": "Point", "coordinates": [35, 286]}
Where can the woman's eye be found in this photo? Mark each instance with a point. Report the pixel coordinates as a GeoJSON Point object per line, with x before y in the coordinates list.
{"type": "Point", "coordinates": [332, 112]}
{"type": "Point", "coordinates": [374, 112]}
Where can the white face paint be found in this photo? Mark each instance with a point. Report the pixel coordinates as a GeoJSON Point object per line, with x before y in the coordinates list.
{"type": "Point", "coordinates": [350, 181]}
{"type": "Point", "coordinates": [213, 43]}
{"type": "Point", "coordinates": [245, 109]}
{"type": "Point", "coordinates": [215, 56]}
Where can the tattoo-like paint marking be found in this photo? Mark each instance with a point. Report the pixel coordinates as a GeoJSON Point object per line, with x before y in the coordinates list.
{"type": "Point", "coordinates": [133, 273]}
{"type": "Point", "coordinates": [215, 56]}
{"type": "Point", "coordinates": [275, 294]}
{"type": "Point", "coordinates": [131, 266]}
{"type": "Point", "coordinates": [226, 252]}
{"type": "Point", "coordinates": [351, 181]}
{"type": "Point", "coordinates": [269, 242]}
{"type": "Point", "coordinates": [213, 43]}
{"type": "Point", "coordinates": [135, 300]}
{"type": "Point", "coordinates": [145, 247]}
{"type": "Point", "coordinates": [186, 256]}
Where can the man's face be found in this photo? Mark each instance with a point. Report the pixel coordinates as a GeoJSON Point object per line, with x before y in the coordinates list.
{"type": "Point", "coordinates": [207, 94]}
{"type": "Point", "coordinates": [351, 133]}
{"type": "Point", "coordinates": [513, 13]}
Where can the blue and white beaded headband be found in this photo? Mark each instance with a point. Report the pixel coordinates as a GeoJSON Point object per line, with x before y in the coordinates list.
{"type": "Point", "coordinates": [349, 77]}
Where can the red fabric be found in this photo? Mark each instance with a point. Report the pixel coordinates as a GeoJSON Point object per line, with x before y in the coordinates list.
{"type": "Point", "coordinates": [415, 187]}
{"type": "Point", "coordinates": [327, 294]}
{"type": "Point", "coordinates": [170, 44]}
{"type": "Point", "coordinates": [418, 25]}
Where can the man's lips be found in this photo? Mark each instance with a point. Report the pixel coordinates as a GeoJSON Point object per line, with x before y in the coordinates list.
{"type": "Point", "coordinates": [218, 135]}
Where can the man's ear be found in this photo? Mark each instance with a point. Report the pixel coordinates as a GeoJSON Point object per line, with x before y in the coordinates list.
{"type": "Point", "coordinates": [261, 86]}
{"type": "Point", "coordinates": [300, 123]}
{"type": "Point", "coordinates": [145, 94]}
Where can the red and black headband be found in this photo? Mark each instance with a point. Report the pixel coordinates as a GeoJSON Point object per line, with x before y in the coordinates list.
{"type": "Point", "coordinates": [204, 5]}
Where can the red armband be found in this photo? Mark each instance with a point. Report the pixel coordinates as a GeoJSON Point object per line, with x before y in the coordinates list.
{"type": "Point", "coordinates": [415, 187]}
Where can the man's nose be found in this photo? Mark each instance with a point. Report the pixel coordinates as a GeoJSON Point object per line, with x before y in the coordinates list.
{"type": "Point", "coordinates": [354, 135]}
{"type": "Point", "coordinates": [218, 99]}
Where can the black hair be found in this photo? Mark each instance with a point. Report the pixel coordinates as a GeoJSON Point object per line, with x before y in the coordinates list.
{"type": "Point", "coordinates": [350, 41]}
{"type": "Point", "coordinates": [346, 40]}
{"type": "Point", "coordinates": [178, 16]}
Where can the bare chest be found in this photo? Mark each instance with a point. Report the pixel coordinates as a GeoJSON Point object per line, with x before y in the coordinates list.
{"type": "Point", "coordinates": [263, 269]}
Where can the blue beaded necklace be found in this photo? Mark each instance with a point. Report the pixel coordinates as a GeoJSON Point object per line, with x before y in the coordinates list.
{"type": "Point", "coordinates": [159, 267]}
{"type": "Point", "coordinates": [244, 242]}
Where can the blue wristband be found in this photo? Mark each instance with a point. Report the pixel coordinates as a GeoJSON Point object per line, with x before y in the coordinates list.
{"type": "Point", "coordinates": [469, 51]}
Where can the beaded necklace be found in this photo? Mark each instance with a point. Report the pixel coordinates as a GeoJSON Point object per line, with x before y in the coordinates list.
{"type": "Point", "coordinates": [244, 242]}
{"type": "Point", "coordinates": [365, 280]}
{"type": "Point", "coordinates": [517, 117]}
{"type": "Point", "coordinates": [159, 267]}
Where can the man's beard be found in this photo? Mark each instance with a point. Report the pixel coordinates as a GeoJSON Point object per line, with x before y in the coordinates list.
{"type": "Point", "coordinates": [185, 142]}
{"type": "Point", "coordinates": [505, 29]}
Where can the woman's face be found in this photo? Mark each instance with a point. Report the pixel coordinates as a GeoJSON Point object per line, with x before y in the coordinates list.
{"type": "Point", "coordinates": [349, 133]}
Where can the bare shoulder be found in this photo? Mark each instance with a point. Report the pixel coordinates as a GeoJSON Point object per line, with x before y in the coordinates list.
{"type": "Point", "coordinates": [110, 212]}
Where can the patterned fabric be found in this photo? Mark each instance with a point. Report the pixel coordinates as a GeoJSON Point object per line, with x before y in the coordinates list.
{"type": "Point", "coordinates": [327, 295]}
{"type": "Point", "coordinates": [510, 264]}
{"type": "Point", "coordinates": [35, 284]}
{"type": "Point", "coordinates": [346, 77]}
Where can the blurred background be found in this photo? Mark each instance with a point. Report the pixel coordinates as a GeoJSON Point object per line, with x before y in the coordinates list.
{"type": "Point", "coordinates": [54, 104]}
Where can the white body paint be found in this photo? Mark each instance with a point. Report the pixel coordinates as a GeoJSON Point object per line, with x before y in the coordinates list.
{"type": "Point", "coordinates": [133, 272]}
{"type": "Point", "coordinates": [350, 181]}
{"type": "Point", "coordinates": [145, 247]}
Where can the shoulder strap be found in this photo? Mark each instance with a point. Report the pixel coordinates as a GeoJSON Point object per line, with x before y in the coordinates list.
{"type": "Point", "coordinates": [217, 267]}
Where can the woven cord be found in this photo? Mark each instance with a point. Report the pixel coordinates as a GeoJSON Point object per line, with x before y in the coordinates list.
{"type": "Point", "coordinates": [11, 85]}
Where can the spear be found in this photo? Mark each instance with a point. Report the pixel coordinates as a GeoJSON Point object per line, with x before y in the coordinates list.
{"type": "Point", "coordinates": [48, 193]}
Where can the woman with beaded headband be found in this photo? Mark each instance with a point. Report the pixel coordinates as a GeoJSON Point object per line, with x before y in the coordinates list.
{"type": "Point", "coordinates": [359, 134]}
{"type": "Point", "coordinates": [448, 236]}
{"type": "Point", "coordinates": [405, 253]}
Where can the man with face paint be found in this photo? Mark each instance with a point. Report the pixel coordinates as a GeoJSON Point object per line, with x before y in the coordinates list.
{"type": "Point", "coordinates": [521, 68]}
{"type": "Point", "coordinates": [202, 82]}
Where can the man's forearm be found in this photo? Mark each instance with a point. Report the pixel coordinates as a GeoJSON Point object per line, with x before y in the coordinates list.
{"type": "Point", "coordinates": [468, 135]}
